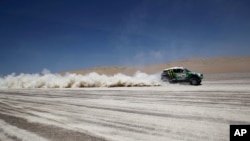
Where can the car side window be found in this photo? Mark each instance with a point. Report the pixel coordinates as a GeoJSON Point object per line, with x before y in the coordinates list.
{"type": "Point", "coordinates": [165, 72]}
{"type": "Point", "coordinates": [178, 70]}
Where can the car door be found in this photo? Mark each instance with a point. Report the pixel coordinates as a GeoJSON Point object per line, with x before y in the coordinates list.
{"type": "Point", "coordinates": [180, 74]}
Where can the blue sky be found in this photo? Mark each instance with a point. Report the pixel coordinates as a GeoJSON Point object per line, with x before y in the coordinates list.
{"type": "Point", "coordinates": [75, 34]}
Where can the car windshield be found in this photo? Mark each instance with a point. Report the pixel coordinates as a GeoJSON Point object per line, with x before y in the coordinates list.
{"type": "Point", "coordinates": [187, 70]}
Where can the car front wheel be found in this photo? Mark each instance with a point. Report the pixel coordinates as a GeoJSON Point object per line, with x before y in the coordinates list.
{"type": "Point", "coordinates": [194, 81]}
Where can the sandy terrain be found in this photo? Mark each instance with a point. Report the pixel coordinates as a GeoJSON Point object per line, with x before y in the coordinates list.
{"type": "Point", "coordinates": [173, 112]}
{"type": "Point", "coordinates": [206, 66]}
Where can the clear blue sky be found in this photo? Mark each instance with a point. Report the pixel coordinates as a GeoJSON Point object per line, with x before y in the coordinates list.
{"type": "Point", "coordinates": [63, 35]}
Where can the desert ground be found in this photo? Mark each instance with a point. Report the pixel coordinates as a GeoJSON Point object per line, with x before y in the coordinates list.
{"type": "Point", "coordinates": [170, 112]}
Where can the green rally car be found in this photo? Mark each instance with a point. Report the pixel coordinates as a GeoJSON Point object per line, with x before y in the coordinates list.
{"type": "Point", "coordinates": [181, 74]}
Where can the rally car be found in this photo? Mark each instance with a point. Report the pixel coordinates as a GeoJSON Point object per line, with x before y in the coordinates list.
{"type": "Point", "coordinates": [181, 74]}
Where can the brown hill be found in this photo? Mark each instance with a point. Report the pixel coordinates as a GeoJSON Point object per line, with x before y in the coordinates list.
{"type": "Point", "coordinates": [209, 65]}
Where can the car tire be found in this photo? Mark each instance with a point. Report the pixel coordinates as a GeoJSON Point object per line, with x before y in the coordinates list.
{"type": "Point", "coordinates": [172, 81]}
{"type": "Point", "coordinates": [194, 81]}
{"type": "Point", "coordinates": [164, 79]}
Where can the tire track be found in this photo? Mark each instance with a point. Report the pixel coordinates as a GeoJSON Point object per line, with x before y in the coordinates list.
{"type": "Point", "coordinates": [48, 131]}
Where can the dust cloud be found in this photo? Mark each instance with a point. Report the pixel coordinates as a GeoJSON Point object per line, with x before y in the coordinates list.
{"type": "Point", "coordinates": [69, 80]}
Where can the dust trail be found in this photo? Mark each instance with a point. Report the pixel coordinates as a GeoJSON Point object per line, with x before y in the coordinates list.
{"type": "Point", "coordinates": [50, 80]}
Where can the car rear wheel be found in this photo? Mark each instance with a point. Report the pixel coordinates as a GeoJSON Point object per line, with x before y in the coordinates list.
{"type": "Point", "coordinates": [164, 79]}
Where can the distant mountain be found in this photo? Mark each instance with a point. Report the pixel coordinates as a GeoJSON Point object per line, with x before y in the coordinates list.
{"type": "Point", "coordinates": [208, 65]}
